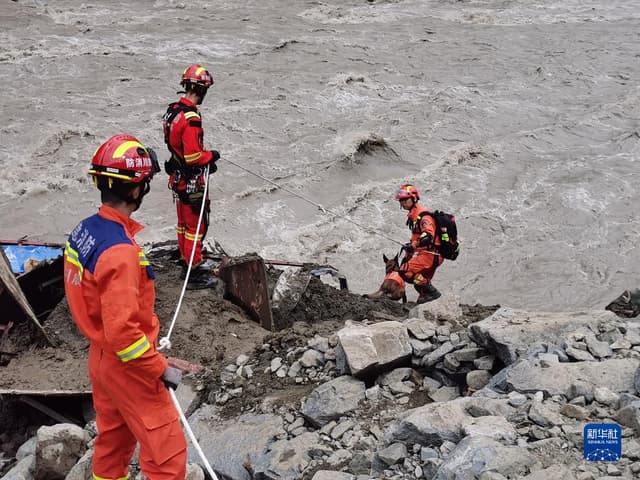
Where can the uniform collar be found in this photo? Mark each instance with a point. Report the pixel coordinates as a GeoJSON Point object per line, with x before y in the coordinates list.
{"type": "Point", "coordinates": [131, 226]}
{"type": "Point", "coordinates": [188, 102]}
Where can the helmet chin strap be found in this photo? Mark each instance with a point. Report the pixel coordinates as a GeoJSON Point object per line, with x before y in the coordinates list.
{"type": "Point", "coordinates": [138, 201]}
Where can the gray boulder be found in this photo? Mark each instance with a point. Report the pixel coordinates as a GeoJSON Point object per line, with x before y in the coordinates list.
{"type": "Point", "coordinates": [333, 399]}
{"type": "Point", "coordinates": [58, 449]}
{"type": "Point", "coordinates": [234, 445]}
{"type": "Point", "coordinates": [513, 333]}
{"type": "Point", "coordinates": [330, 475]}
{"type": "Point", "coordinates": [474, 455]}
{"type": "Point", "coordinates": [286, 459]}
{"type": "Point", "coordinates": [363, 349]}
{"type": "Point", "coordinates": [528, 376]}
{"type": "Point", "coordinates": [429, 425]}
{"type": "Point", "coordinates": [23, 470]}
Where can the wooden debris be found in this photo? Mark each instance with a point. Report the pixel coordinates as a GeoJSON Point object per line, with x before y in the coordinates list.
{"type": "Point", "coordinates": [11, 287]}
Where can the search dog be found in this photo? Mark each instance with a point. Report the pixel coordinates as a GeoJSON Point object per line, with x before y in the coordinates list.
{"type": "Point", "coordinates": [393, 285]}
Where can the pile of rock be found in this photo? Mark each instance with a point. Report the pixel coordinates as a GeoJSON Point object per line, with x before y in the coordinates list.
{"type": "Point", "coordinates": [425, 397]}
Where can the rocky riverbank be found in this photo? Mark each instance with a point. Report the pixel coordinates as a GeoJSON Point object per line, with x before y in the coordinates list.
{"type": "Point", "coordinates": [436, 391]}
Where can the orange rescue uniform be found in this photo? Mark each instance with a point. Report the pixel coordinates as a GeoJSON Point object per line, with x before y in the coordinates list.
{"type": "Point", "coordinates": [111, 294]}
{"type": "Point", "coordinates": [184, 138]}
{"type": "Point", "coordinates": [422, 263]}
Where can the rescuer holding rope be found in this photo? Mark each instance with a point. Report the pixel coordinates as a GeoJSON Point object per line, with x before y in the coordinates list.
{"type": "Point", "coordinates": [109, 285]}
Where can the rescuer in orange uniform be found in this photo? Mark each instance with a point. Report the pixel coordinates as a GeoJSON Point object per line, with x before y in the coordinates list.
{"type": "Point", "coordinates": [183, 135]}
{"type": "Point", "coordinates": [110, 290]}
{"type": "Point", "coordinates": [421, 258]}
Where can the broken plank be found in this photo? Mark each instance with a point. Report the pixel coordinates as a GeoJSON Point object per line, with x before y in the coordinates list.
{"type": "Point", "coordinates": [46, 393]}
{"type": "Point", "coordinates": [13, 289]}
{"type": "Point", "coordinates": [58, 417]}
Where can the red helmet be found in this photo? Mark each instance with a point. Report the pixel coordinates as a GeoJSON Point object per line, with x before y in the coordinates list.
{"type": "Point", "coordinates": [123, 157]}
{"type": "Point", "coordinates": [408, 191]}
{"type": "Point", "coordinates": [197, 74]}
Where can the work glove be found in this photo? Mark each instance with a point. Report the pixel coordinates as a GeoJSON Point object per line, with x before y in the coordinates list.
{"type": "Point", "coordinates": [425, 240]}
{"type": "Point", "coordinates": [408, 248]}
{"type": "Point", "coordinates": [171, 377]}
{"type": "Point", "coordinates": [215, 156]}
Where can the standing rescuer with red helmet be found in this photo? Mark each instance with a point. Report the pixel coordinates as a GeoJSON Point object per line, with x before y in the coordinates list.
{"type": "Point", "coordinates": [109, 287]}
{"type": "Point", "coordinates": [421, 257]}
{"type": "Point", "coordinates": [183, 136]}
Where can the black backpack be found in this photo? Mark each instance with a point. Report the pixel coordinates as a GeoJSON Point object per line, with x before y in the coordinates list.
{"type": "Point", "coordinates": [447, 230]}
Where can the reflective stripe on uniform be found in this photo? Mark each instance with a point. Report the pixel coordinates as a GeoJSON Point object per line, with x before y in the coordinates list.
{"type": "Point", "coordinates": [190, 236]}
{"type": "Point", "coordinates": [134, 350]}
{"type": "Point", "coordinates": [192, 157]}
{"type": "Point", "coordinates": [72, 257]}
{"type": "Point", "coordinates": [96, 477]}
{"type": "Point", "coordinates": [143, 259]}
{"type": "Point", "coordinates": [189, 115]}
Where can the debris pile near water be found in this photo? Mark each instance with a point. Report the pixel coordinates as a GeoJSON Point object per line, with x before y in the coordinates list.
{"type": "Point", "coordinates": [362, 389]}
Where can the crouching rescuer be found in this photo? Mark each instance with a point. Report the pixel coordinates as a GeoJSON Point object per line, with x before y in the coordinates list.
{"type": "Point", "coordinates": [421, 255]}
{"type": "Point", "coordinates": [183, 136]}
{"type": "Point", "coordinates": [109, 285]}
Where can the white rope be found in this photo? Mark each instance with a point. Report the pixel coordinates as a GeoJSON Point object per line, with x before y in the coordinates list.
{"type": "Point", "coordinates": [164, 342]}
{"type": "Point", "coordinates": [322, 209]}
{"type": "Point", "coordinates": [191, 436]}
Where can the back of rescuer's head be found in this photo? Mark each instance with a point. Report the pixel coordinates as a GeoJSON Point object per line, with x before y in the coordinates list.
{"type": "Point", "coordinates": [407, 191]}
{"type": "Point", "coordinates": [196, 79]}
{"type": "Point", "coordinates": [121, 164]}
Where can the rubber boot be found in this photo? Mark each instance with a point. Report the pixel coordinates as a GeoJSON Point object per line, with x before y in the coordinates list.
{"type": "Point", "coordinates": [202, 277]}
{"type": "Point", "coordinates": [205, 265]}
{"type": "Point", "coordinates": [426, 293]}
{"type": "Point", "coordinates": [183, 269]}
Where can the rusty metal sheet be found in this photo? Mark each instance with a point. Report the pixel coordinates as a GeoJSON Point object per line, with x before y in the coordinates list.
{"type": "Point", "coordinates": [246, 285]}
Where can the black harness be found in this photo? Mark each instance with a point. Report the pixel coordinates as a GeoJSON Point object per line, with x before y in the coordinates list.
{"type": "Point", "coordinates": [175, 109]}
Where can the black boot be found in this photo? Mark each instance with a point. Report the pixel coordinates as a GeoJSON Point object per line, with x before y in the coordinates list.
{"type": "Point", "coordinates": [426, 293]}
{"type": "Point", "coordinates": [183, 269]}
{"type": "Point", "coordinates": [201, 277]}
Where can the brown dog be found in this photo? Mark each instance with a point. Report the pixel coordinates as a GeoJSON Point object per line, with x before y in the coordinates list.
{"type": "Point", "coordinates": [393, 285]}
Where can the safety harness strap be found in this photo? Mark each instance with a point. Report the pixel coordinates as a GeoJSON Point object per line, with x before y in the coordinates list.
{"type": "Point", "coordinates": [175, 109]}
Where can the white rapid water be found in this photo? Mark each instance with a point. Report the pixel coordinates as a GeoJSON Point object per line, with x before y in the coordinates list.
{"type": "Point", "coordinates": [520, 117]}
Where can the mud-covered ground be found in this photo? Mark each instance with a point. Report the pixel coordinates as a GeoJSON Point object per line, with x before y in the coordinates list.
{"type": "Point", "coordinates": [210, 331]}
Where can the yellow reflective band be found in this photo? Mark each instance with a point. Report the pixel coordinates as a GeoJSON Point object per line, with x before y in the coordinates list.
{"type": "Point", "coordinates": [189, 115]}
{"type": "Point", "coordinates": [143, 259]}
{"type": "Point", "coordinates": [120, 151]}
{"type": "Point", "coordinates": [190, 236]}
{"type": "Point", "coordinates": [114, 175]}
{"type": "Point", "coordinates": [96, 477]}
{"type": "Point", "coordinates": [193, 157]}
{"type": "Point", "coordinates": [134, 350]}
{"type": "Point", "coordinates": [200, 70]}
{"type": "Point", "coordinates": [72, 257]}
